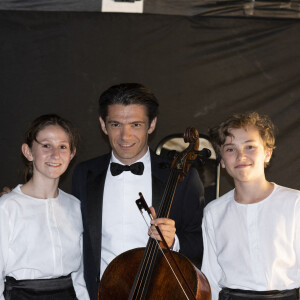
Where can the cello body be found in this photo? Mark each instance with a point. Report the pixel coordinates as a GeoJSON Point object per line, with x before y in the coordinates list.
{"type": "Point", "coordinates": [125, 267]}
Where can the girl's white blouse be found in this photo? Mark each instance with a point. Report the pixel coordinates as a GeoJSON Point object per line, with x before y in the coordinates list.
{"type": "Point", "coordinates": [41, 238]}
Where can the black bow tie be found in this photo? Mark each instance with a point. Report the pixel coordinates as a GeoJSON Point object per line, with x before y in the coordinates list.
{"type": "Point", "coordinates": [136, 168]}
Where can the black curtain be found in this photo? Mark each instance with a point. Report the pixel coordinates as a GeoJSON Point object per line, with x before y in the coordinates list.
{"type": "Point", "coordinates": [242, 8]}
{"type": "Point", "coordinates": [202, 69]}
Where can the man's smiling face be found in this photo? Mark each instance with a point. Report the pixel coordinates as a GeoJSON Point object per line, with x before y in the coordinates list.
{"type": "Point", "coordinates": [127, 127]}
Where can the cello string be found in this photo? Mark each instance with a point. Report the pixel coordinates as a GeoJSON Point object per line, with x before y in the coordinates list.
{"type": "Point", "coordinates": [145, 269]}
{"type": "Point", "coordinates": [174, 179]}
{"type": "Point", "coordinates": [164, 209]}
{"type": "Point", "coordinates": [162, 212]}
{"type": "Point", "coordinates": [150, 255]}
{"type": "Point", "coordinates": [161, 250]}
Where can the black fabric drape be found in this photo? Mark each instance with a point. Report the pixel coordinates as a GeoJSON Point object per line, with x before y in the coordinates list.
{"type": "Point", "coordinates": [238, 8]}
{"type": "Point", "coordinates": [201, 68]}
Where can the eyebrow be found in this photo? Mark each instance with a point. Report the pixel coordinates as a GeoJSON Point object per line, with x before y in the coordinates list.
{"type": "Point", "coordinates": [47, 141]}
{"type": "Point", "coordinates": [231, 144]}
{"type": "Point", "coordinates": [112, 121]}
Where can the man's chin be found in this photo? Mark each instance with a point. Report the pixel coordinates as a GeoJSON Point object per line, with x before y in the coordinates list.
{"type": "Point", "coordinates": [125, 156]}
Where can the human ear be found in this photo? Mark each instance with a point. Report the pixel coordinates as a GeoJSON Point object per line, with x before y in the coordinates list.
{"type": "Point", "coordinates": [27, 152]}
{"type": "Point", "coordinates": [268, 155]}
{"type": "Point", "coordinates": [152, 125]}
{"type": "Point", "coordinates": [73, 153]}
{"type": "Point", "coordinates": [103, 127]}
{"type": "Point", "coordinates": [222, 163]}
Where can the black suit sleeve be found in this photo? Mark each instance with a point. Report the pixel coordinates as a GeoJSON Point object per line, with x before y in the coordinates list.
{"type": "Point", "coordinates": [79, 181]}
{"type": "Point", "coordinates": [79, 190]}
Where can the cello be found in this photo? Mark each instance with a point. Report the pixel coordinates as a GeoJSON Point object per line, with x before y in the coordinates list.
{"type": "Point", "coordinates": [153, 272]}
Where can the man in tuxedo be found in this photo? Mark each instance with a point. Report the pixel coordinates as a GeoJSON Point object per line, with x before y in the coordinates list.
{"type": "Point", "coordinates": [108, 186]}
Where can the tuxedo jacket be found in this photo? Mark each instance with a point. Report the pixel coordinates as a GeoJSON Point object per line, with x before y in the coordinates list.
{"type": "Point", "coordinates": [187, 210]}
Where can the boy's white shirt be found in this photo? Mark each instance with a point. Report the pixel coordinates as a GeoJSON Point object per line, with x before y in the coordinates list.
{"type": "Point", "coordinates": [253, 246]}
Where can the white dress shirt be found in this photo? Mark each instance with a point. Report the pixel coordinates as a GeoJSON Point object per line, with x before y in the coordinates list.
{"type": "Point", "coordinates": [41, 239]}
{"type": "Point", "coordinates": [253, 246]}
{"type": "Point", "coordinates": [123, 227]}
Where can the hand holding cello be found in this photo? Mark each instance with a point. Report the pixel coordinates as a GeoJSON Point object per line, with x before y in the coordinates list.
{"type": "Point", "coordinates": [166, 226]}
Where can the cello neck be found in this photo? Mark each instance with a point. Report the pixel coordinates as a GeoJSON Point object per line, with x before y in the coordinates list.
{"type": "Point", "coordinates": [167, 199]}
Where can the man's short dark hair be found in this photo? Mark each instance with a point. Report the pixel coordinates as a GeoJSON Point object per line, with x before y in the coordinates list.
{"type": "Point", "coordinates": [127, 94]}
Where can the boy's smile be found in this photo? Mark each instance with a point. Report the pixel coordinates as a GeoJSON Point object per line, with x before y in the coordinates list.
{"type": "Point", "coordinates": [244, 154]}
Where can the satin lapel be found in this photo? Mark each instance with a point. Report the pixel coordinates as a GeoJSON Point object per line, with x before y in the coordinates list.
{"type": "Point", "coordinates": [95, 188]}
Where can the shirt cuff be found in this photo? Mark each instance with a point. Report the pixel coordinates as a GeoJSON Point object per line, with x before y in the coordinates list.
{"type": "Point", "coordinates": [176, 245]}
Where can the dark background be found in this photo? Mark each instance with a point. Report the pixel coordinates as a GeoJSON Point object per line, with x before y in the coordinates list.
{"type": "Point", "coordinates": [201, 67]}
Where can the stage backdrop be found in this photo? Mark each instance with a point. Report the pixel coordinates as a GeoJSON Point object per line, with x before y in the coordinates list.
{"type": "Point", "coordinates": [202, 69]}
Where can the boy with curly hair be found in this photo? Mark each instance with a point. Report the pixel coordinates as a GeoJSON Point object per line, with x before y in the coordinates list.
{"type": "Point", "coordinates": [251, 234]}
